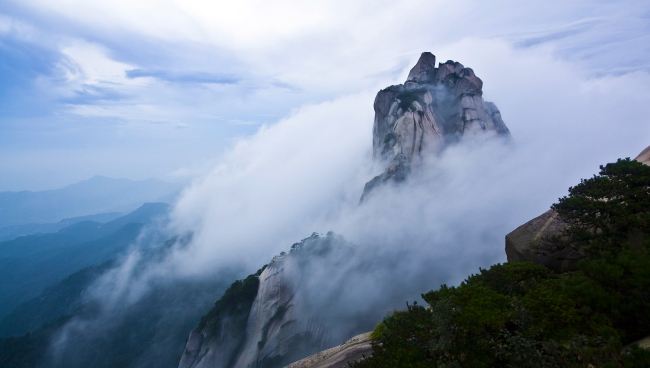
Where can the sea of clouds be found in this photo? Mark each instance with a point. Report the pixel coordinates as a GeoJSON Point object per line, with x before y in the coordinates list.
{"type": "Point", "coordinates": [306, 172]}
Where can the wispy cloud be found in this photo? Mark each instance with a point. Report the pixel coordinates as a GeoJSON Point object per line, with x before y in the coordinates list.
{"type": "Point", "coordinates": [183, 77]}
{"type": "Point", "coordinates": [192, 61]}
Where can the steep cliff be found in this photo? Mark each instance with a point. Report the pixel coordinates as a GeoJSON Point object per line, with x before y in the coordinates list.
{"type": "Point", "coordinates": [220, 336]}
{"type": "Point", "coordinates": [434, 107]}
{"type": "Point", "coordinates": [268, 319]}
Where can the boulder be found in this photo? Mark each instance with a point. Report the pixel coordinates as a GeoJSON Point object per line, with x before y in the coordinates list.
{"type": "Point", "coordinates": [535, 242]}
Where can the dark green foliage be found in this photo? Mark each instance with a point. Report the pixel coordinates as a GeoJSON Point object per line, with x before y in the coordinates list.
{"type": "Point", "coordinates": [512, 315]}
{"type": "Point", "coordinates": [237, 299]}
{"type": "Point", "coordinates": [635, 357]}
{"type": "Point", "coordinates": [609, 211]}
{"type": "Point", "coordinates": [227, 320]}
{"type": "Point", "coordinates": [524, 315]}
{"type": "Point", "coordinates": [626, 278]}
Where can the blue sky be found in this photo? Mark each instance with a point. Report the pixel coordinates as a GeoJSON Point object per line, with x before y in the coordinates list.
{"type": "Point", "coordinates": [162, 88]}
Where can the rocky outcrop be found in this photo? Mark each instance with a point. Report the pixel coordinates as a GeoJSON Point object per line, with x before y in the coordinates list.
{"type": "Point", "coordinates": [276, 316]}
{"type": "Point", "coordinates": [339, 356]}
{"type": "Point", "coordinates": [644, 156]}
{"type": "Point", "coordinates": [535, 241]}
{"type": "Point", "coordinates": [434, 107]}
{"type": "Point", "coordinates": [220, 336]}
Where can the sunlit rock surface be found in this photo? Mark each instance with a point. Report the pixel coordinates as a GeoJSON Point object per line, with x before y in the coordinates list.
{"type": "Point", "coordinates": [339, 356]}
{"type": "Point", "coordinates": [644, 156]}
{"type": "Point", "coordinates": [434, 107]}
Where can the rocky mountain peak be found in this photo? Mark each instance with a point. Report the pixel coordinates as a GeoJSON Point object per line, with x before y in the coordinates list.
{"type": "Point", "coordinates": [436, 106]}
{"type": "Point", "coordinates": [424, 70]}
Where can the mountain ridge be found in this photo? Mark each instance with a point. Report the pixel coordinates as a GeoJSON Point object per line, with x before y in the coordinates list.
{"type": "Point", "coordinates": [33, 262]}
{"type": "Point", "coordinates": [91, 196]}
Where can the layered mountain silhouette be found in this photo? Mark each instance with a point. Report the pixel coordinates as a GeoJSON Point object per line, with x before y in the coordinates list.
{"type": "Point", "coordinates": [96, 195]}
{"type": "Point", "coordinates": [29, 264]}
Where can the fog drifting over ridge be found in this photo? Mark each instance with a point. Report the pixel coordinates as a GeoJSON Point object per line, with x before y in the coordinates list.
{"type": "Point", "coordinates": [306, 173]}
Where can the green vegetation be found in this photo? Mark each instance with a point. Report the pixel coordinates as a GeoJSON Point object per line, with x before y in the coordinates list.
{"type": "Point", "coordinates": [609, 212]}
{"type": "Point", "coordinates": [524, 315]}
{"type": "Point", "coordinates": [226, 321]}
{"type": "Point", "coordinates": [237, 300]}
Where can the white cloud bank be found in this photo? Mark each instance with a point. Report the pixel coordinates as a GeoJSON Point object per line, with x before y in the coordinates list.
{"type": "Point", "coordinates": [306, 172]}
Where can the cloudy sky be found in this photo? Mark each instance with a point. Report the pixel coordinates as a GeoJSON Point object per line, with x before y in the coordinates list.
{"type": "Point", "coordinates": [161, 89]}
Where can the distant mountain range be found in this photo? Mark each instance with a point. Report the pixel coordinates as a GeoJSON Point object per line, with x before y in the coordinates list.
{"type": "Point", "coordinates": [147, 333]}
{"type": "Point", "coordinates": [15, 231]}
{"type": "Point", "coordinates": [28, 264]}
{"type": "Point", "coordinates": [28, 212]}
{"type": "Point", "coordinates": [55, 244]}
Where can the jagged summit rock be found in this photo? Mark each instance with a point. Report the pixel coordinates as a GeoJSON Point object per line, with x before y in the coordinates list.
{"type": "Point", "coordinates": [424, 69]}
{"type": "Point", "coordinates": [434, 107]}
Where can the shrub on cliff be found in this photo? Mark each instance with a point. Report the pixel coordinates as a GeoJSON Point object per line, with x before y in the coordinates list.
{"type": "Point", "coordinates": [610, 211]}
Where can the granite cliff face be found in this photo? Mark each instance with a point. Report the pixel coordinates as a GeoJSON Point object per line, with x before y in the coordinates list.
{"type": "Point", "coordinates": [436, 106]}
{"type": "Point", "coordinates": [268, 319]}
